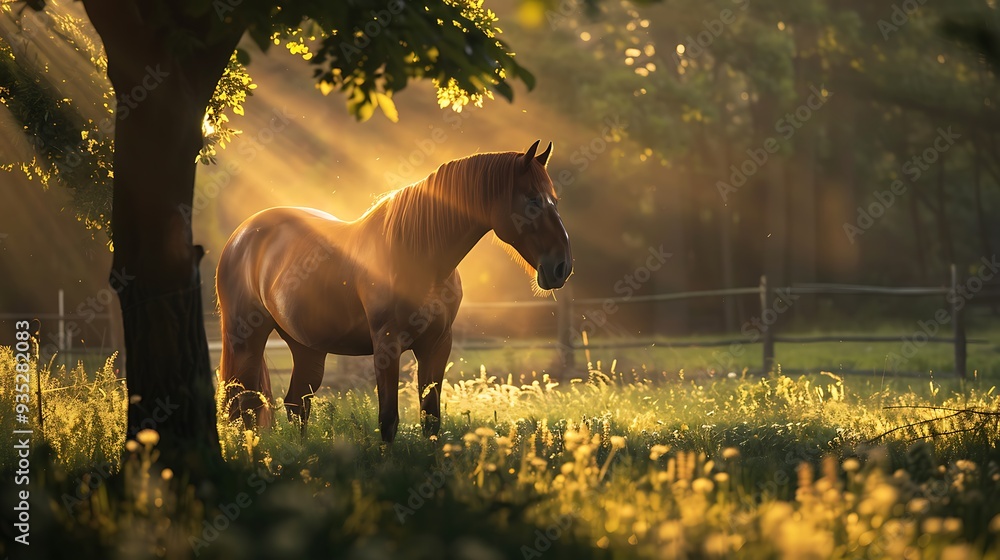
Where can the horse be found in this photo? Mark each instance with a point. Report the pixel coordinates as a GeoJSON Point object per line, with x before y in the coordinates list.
{"type": "Point", "coordinates": [379, 285]}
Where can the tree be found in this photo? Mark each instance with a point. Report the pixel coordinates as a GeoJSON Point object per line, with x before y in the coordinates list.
{"type": "Point", "coordinates": [702, 85]}
{"type": "Point", "coordinates": [165, 60]}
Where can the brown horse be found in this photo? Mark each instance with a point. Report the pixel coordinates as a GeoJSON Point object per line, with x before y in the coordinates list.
{"type": "Point", "coordinates": [380, 285]}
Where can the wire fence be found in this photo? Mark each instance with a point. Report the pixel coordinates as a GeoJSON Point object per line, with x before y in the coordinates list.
{"type": "Point", "coordinates": [571, 337]}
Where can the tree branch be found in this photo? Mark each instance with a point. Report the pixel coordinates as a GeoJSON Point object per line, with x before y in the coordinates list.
{"type": "Point", "coordinates": [955, 413]}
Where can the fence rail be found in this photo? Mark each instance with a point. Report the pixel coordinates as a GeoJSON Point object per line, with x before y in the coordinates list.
{"type": "Point", "coordinates": [568, 341]}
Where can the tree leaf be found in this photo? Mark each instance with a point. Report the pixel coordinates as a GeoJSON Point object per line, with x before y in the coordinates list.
{"type": "Point", "coordinates": [388, 107]}
{"type": "Point", "coordinates": [364, 110]}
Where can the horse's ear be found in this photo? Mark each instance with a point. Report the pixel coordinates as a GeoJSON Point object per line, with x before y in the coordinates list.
{"type": "Point", "coordinates": [525, 163]}
{"type": "Point", "coordinates": [543, 158]}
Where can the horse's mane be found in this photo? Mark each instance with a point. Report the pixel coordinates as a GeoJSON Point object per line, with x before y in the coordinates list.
{"type": "Point", "coordinates": [425, 215]}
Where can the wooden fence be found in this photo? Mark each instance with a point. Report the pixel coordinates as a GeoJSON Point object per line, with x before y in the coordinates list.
{"type": "Point", "coordinates": [92, 325]}
{"type": "Point", "coordinates": [569, 341]}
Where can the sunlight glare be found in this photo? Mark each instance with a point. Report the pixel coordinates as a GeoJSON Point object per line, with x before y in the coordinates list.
{"type": "Point", "coordinates": [206, 127]}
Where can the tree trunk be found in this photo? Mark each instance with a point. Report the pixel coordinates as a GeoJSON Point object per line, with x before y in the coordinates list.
{"type": "Point", "coordinates": [776, 230]}
{"type": "Point", "coordinates": [672, 317]}
{"type": "Point", "coordinates": [837, 196]}
{"type": "Point", "coordinates": [161, 101]}
{"type": "Point", "coordinates": [918, 237]}
{"type": "Point", "coordinates": [944, 224]}
{"type": "Point", "coordinates": [802, 176]}
{"type": "Point", "coordinates": [803, 217]}
{"type": "Point", "coordinates": [726, 254]}
{"type": "Point", "coordinates": [981, 225]}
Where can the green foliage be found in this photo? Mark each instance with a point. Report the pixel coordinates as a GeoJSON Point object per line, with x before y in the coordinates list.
{"type": "Point", "coordinates": [365, 49]}
{"type": "Point", "coordinates": [65, 147]}
{"type": "Point", "coordinates": [230, 94]}
{"type": "Point", "coordinates": [692, 115]}
{"type": "Point", "coordinates": [369, 49]}
{"type": "Point", "coordinates": [755, 467]}
{"type": "Point", "coordinates": [84, 411]}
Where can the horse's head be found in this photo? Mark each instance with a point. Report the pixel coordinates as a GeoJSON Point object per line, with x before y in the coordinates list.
{"type": "Point", "coordinates": [530, 222]}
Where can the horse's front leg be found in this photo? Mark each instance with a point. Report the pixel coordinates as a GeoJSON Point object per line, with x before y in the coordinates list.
{"type": "Point", "coordinates": [432, 359]}
{"type": "Point", "coordinates": [387, 346]}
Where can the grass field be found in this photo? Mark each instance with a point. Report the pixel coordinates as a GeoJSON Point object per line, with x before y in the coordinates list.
{"type": "Point", "coordinates": [622, 465]}
{"type": "Point", "coordinates": [867, 360]}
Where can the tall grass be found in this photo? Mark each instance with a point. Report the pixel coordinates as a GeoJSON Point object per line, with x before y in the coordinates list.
{"type": "Point", "coordinates": [619, 465]}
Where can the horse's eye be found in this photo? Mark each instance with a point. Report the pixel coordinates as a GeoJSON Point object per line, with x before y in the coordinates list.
{"type": "Point", "coordinates": [535, 201]}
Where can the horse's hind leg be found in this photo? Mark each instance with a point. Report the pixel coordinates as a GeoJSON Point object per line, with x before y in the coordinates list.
{"type": "Point", "coordinates": [307, 375]}
{"type": "Point", "coordinates": [243, 371]}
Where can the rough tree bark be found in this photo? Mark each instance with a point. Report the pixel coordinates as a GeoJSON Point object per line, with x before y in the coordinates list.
{"type": "Point", "coordinates": [162, 91]}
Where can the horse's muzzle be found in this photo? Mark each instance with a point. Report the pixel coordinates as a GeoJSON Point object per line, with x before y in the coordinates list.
{"type": "Point", "coordinates": [553, 273]}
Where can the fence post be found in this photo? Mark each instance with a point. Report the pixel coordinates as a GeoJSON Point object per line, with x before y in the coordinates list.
{"type": "Point", "coordinates": [768, 343]}
{"type": "Point", "coordinates": [957, 324]}
{"type": "Point", "coordinates": [564, 324]}
{"type": "Point", "coordinates": [62, 327]}
{"type": "Point", "coordinates": [62, 321]}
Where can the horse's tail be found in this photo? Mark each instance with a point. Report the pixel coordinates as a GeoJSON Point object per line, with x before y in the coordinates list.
{"type": "Point", "coordinates": [226, 359]}
{"type": "Point", "coordinates": [231, 389]}
{"type": "Point", "coordinates": [265, 388]}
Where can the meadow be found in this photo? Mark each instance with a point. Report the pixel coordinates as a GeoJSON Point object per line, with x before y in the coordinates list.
{"type": "Point", "coordinates": [630, 464]}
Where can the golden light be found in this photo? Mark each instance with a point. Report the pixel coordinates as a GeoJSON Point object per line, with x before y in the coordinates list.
{"type": "Point", "coordinates": [206, 127]}
{"type": "Point", "coordinates": [531, 14]}
{"type": "Point", "coordinates": [585, 36]}
{"type": "Point", "coordinates": [680, 49]}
